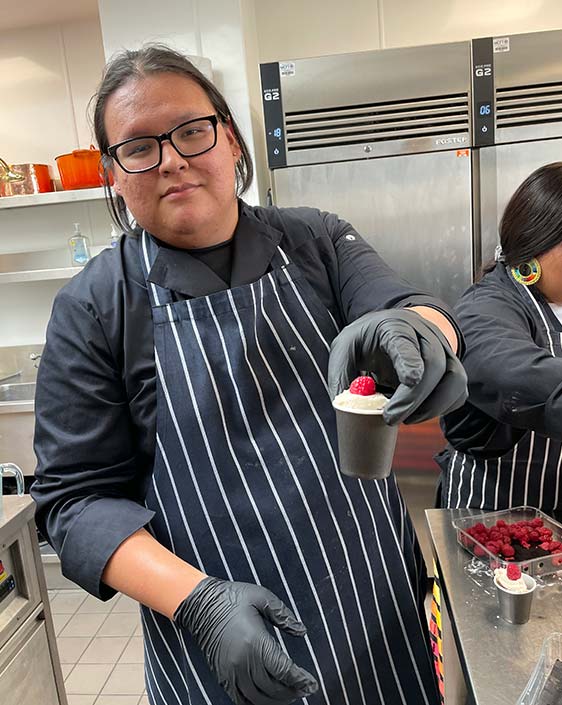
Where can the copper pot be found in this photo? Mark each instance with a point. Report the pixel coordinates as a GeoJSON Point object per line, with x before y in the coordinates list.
{"type": "Point", "coordinates": [20, 179]}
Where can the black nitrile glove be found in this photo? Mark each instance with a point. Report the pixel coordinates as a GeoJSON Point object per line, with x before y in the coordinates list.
{"type": "Point", "coordinates": [407, 355]}
{"type": "Point", "coordinates": [227, 621]}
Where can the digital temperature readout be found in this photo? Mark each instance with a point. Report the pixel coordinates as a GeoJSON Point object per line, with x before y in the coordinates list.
{"type": "Point", "coordinates": [484, 109]}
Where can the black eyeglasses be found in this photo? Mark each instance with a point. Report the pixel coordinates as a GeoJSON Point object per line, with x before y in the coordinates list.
{"type": "Point", "coordinates": [190, 139]}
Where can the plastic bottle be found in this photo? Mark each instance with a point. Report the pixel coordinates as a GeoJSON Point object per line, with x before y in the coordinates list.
{"type": "Point", "coordinates": [115, 237]}
{"type": "Point", "coordinates": [79, 247]}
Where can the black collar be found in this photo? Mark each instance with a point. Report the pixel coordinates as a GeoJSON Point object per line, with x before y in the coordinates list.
{"type": "Point", "coordinates": [255, 244]}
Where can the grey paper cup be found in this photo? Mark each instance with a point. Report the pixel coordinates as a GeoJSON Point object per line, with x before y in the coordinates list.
{"type": "Point", "coordinates": [366, 443]}
{"type": "Point", "coordinates": [515, 608]}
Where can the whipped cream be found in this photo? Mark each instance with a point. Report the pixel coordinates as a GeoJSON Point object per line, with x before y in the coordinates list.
{"type": "Point", "coordinates": [349, 401]}
{"type": "Point", "coordinates": [507, 584]}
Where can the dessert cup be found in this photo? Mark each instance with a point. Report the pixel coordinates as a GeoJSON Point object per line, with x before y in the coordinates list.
{"type": "Point", "coordinates": [366, 443]}
{"type": "Point", "coordinates": [515, 607]}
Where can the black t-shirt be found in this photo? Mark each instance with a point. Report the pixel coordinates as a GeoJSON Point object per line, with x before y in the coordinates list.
{"type": "Point", "coordinates": [218, 258]}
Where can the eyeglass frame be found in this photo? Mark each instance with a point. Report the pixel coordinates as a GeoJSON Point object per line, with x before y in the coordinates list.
{"type": "Point", "coordinates": [112, 149]}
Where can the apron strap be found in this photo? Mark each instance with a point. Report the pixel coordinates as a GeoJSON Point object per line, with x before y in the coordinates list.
{"type": "Point", "coordinates": [148, 251]}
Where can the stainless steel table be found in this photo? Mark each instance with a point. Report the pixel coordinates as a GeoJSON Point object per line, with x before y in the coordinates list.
{"type": "Point", "coordinates": [497, 658]}
{"type": "Point", "coordinates": [30, 670]}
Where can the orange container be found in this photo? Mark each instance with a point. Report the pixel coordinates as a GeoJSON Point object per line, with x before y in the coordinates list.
{"type": "Point", "coordinates": [80, 169]}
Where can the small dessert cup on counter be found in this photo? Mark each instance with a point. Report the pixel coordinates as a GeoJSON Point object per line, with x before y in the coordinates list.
{"type": "Point", "coordinates": [515, 594]}
{"type": "Point", "coordinates": [366, 443]}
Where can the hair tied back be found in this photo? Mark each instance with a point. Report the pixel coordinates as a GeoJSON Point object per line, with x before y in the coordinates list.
{"type": "Point", "coordinates": [498, 254]}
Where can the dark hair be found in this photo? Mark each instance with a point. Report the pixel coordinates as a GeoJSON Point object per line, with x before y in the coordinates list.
{"type": "Point", "coordinates": [154, 59]}
{"type": "Point", "coordinates": [532, 220]}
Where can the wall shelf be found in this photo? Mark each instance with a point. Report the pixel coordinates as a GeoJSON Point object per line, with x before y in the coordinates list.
{"type": "Point", "coordinates": [36, 275]}
{"type": "Point", "coordinates": [40, 265]}
{"type": "Point", "coordinates": [51, 198]}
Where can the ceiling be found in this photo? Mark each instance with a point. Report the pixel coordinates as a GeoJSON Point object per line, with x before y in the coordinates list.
{"type": "Point", "coordinates": [28, 13]}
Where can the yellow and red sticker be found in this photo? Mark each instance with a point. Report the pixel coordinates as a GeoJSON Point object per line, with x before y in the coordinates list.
{"type": "Point", "coordinates": [3, 574]}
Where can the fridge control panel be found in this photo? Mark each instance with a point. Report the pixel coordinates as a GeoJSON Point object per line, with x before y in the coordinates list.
{"type": "Point", "coordinates": [273, 115]}
{"type": "Point", "coordinates": [483, 122]}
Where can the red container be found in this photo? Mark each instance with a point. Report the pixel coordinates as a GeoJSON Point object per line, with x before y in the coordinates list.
{"type": "Point", "coordinates": [80, 169]}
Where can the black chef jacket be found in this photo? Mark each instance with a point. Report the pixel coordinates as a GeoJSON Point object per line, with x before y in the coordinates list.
{"type": "Point", "coordinates": [96, 389]}
{"type": "Point", "coordinates": [514, 383]}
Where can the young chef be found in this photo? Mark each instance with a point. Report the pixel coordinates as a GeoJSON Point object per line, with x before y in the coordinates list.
{"type": "Point", "coordinates": [505, 443]}
{"type": "Point", "coordinates": [185, 434]}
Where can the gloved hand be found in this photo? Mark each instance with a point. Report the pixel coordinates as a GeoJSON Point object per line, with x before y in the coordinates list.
{"type": "Point", "coordinates": [227, 621]}
{"type": "Point", "coordinates": [407, 355]}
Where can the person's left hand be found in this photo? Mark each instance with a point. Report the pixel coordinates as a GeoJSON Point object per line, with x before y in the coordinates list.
{"type": "Point", "coordinates": [408, 355]}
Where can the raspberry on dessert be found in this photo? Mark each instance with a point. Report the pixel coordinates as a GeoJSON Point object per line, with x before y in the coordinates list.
{"type": "Point", "coordinates": [513, 571]}
{"type": "Point", "coordinates": [364, 386]}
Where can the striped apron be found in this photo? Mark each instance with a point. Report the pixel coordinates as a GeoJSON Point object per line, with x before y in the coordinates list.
{"type": "Point", "coordinates": [528, 474]}
{"type": "Point", "coordinates": [246, 487]}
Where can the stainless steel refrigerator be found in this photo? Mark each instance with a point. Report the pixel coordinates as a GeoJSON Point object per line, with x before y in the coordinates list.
{"type": "Point", "coordinates": [382, 138]}
{"type": "Point", "coordinates": [524, 127]}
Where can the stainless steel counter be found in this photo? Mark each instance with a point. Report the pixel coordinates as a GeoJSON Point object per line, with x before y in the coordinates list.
{"type": "Point", "coordinates": [497, 658]}
{"type": "Point", "coordinates": [30, 670]}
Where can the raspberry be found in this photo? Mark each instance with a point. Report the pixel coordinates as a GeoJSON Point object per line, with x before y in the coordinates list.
{"type": "Point", "coordinates": [507, 550]}
{"type": "Point", "coordinates": [513, 571]}
{"type": "Point", "coordinates": [536, 522]}
{"type": "Point", "coordinates": [500, 523]}
{"type": "Point", "coordinates": [364, 386]}
{"type": "Point", "coordinates": [534, 536]}
{"type": "Point", "coordinates": [478, 551]}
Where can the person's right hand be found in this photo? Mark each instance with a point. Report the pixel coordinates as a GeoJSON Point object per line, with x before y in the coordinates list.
{"type": "Point", "coordinates": [227, 621]}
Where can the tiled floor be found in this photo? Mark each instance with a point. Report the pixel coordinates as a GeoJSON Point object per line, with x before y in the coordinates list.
{"type": "Point", "coordinates": [100, 648]}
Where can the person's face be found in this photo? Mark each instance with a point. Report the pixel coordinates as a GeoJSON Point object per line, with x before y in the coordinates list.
{"type": "Point", "coordinates": [186, 201]}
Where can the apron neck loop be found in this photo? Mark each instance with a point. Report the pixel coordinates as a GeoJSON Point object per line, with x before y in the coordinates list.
{"type": "Point", "coordinates": [286, 260]}
{"type": "Point", "coordinates": [148, 251]}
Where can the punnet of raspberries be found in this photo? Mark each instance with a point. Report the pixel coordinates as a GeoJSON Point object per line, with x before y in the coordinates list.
{"type": "Point", "coordinates": [520, 540]}
{"type": "Point", "coordinates": [363, 386]}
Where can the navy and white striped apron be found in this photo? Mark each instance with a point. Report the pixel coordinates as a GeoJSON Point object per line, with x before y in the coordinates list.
{"type": "Point", "coordinates": [529, 474]}
{"type": "Point", "coordinates": [246, 487]}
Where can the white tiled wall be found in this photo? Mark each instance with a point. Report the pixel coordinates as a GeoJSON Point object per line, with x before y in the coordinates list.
{"type": "Point", "coordinates": [211, 29]}
{"type": "Point", "coordinates": [294, 29]}
{"type": "Point", "coordinates": [47, 75]}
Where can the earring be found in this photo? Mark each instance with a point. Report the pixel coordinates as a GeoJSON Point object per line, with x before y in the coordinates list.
{"type": "Point", "coordinates": [527, 273]}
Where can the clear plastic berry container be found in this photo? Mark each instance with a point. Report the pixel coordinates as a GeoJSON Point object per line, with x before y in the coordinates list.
{"type": "Point", "coordinates": [546, 677]}
{"type": "Point", "coordinates": [542, 565]}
